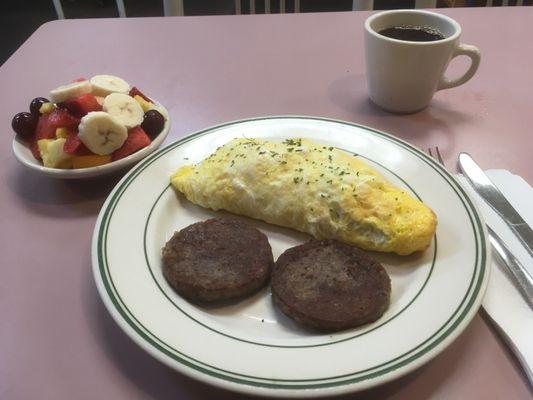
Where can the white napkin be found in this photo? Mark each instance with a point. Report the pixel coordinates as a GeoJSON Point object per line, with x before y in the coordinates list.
{"type": "Point", "coordinates": [503, 302]}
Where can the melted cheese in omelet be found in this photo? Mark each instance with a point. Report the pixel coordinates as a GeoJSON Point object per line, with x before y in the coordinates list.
{"type": "Point", "coordinates": [312, 188]}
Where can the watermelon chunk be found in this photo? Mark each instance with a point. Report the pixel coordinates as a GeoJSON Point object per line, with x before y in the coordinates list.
{"type": "Point", "coordinates": [136, 92]}
{"type": "Point", "coordinates": [137, 139]}
{"type": "Point", "coordinates": [83, 150]}
{"type": "Point", "coordinates": [81, 105]}
{"type": "Point", "coordinates": [44, 129]}
{"type": "Point", "coordinates": [34, 147]}
{"type": "Point", "coordinates": [73, 145]}
{"type": "Point", "coordinates": [49, 122]}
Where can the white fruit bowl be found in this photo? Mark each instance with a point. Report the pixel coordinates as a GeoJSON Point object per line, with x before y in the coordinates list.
{"type": "Point", "coordinates": [25, 157]}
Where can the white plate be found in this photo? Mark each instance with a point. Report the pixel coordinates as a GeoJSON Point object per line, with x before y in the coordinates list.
{"type": "Point", "coordinates": [26, 158]}
{"type": "Point", "coordinates": [250, 346]}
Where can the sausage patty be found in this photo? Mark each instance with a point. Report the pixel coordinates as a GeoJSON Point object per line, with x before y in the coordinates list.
{"type": "Point", "coordinates": [217, 259]}
{"type": "Point", "coordinates": [329, 285]}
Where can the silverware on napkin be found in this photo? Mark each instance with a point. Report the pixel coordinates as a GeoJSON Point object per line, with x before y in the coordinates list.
{"type": "Point", "coordinates": [519, 274]}
{"type": "Point", "coordinates": [492, 195]}
{"type": "Point", "coordinates": [504, 302]}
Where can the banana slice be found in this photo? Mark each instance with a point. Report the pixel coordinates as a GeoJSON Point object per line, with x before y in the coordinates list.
{"type": "Point", "coordinates": [107, 84]}
{"type": "Point", "coordinates": [124, 108]}
{"type": "Point", "coordinates": [102, 133]}
{"type": "Point", "coordinates": [70, 91]}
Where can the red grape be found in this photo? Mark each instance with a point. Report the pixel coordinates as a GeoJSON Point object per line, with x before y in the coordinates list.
{"type": "Point", "coordinates": [153, 123]}
{"type": "Point", "coordinates": [24, 124]}
{"type": "Point", "coordinates": [36, 104]}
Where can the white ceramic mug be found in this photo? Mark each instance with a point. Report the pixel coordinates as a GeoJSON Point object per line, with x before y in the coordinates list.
{"type": "Point", "coordinates": [402, 75]}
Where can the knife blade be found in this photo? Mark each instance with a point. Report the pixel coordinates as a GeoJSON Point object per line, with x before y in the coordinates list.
{"type": "Point", "coordinates": [492, 195]}
{"type": "Point", "coordinates": [518, 272]}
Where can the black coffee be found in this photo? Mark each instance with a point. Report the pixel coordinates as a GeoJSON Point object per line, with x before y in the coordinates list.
{"type": "Point", "coordinates": [413, 33]}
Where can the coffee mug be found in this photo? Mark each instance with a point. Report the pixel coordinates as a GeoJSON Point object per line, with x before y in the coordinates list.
{"type": "Point", "coordinates": [403, 75]}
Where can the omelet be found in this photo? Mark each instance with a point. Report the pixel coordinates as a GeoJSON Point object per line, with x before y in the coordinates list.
{"type": "Point", "coordinates": [312, 188]}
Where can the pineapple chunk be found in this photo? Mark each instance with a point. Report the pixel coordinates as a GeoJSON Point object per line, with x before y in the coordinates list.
{"type": "Point", "coordinates": [145, 105]}
{"type": "Point", "coordinates": [61, 133]}
{"type": "Point", "coordinates": [47, 107]}
{"type": "Point", "coordinates": [53, 155]}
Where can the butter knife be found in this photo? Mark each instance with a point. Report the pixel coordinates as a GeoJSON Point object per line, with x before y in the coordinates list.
{"type": "Point", "coordinates": [518, 272]}
{"type": "Point", "coordinates": [492, 195]}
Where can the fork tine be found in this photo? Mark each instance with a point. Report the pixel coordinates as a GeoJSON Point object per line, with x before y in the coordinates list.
{"type": "Point", "coordinates": [439, 157]}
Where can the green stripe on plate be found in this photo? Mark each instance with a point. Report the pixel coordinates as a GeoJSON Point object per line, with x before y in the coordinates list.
{"type": "Point", "coordinates": [357, 376]}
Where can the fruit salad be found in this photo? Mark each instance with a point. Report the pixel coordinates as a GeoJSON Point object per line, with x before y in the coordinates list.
{"type": "Point", "coordinates": [89, 122]}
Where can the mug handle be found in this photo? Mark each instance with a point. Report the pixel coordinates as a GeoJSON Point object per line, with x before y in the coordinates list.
{"type": "Point", "coordinates": [475, 57]}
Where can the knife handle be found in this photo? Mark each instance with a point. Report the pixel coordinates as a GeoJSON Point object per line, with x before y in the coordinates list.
{"type": "Point", "coordinates": [518, 272]}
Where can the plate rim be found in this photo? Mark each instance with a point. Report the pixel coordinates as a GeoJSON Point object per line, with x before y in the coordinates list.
{"type": "Point", "coordinates": [466, 310]}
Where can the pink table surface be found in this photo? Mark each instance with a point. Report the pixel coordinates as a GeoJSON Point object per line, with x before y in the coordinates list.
{"type": "Point", "coordinates": [56, 339]}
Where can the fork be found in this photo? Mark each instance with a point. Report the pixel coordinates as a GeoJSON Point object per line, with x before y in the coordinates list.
{"type": "Point", "coordinates": [438, 156]}
{"type": "Point", "coordinates": [517, 271]}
